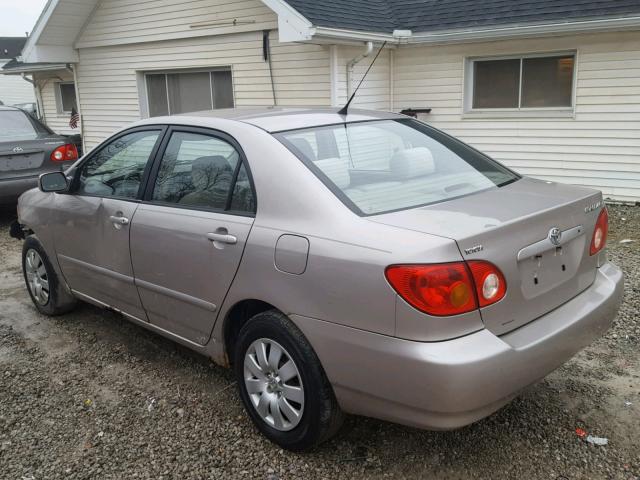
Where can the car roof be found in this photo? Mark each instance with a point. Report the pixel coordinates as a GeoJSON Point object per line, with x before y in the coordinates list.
{"type": "Point", "coordinates": [277, 119]}
{"type": "Point", "coordinates": [7, 107]}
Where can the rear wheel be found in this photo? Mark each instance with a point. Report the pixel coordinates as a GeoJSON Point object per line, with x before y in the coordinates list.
{"type": "Point", "coordinates": [282, 384]}
{"type": "Point", "coordinates": [46, 291]}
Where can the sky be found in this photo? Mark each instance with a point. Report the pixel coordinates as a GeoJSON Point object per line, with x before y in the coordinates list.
{"type": "Point", "coordinates": [19, 16]}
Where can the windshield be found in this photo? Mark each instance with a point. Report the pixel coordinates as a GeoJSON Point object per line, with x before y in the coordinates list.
{"type": "Point", "coordinates": [382, 166]}
{"type": "Point", "coordinates": [16, 125]}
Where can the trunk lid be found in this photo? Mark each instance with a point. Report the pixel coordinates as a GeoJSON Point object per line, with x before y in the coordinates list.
{"type": "Point", "coordinates": [510, 227]}
{"type": "Point", "coordinates": [26, 158]}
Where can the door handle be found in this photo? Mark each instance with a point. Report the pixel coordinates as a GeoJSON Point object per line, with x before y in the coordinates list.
{"type": "Point", "coordinates": [222, 238]}
{"type": "Point", "coordinates": [119, 220]}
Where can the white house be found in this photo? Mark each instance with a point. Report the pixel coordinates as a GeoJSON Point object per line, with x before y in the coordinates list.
{"type": "Point", "coordinates": [13, 89]}
{"type": "Point", "coordinates": [549, 87]}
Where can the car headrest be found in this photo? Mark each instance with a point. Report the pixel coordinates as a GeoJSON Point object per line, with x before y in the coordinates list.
{"type": "Point", "coordinates": [412, 162]}
{"type": "Point", "coordinates": [336, 169]}
{"type": "Point", "coordinates": [213, 163]}
{"type": "Point", "coordinates": [304, 146]}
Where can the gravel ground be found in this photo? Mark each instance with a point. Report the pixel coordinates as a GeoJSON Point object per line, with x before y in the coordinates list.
{"type": "Point", "coordinates": [89, 395]}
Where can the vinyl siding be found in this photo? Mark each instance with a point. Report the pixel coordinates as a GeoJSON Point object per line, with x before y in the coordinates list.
{"type": "Point", "coordinates": [597, 146]}
{"type": "Point", "coordinates": [131, 21]}
{"type": "Point", "coordinates": [14, 89]}
{"type": "Point", "coordinates": [58, 122]}
{"type": "Point", "coordinates": [109, 87]}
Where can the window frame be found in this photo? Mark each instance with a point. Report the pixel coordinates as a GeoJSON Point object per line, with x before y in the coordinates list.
{"type": "Point", "coordinates": [58, 91]}
{"type": "Point", "coordinates": [147, 195]}
{"type": "Point", "coordinates": [161, 128]}
{"type": "Point", "coordinates": [469, 80]}
{"type": "Point", "coordinates": [143, 85]}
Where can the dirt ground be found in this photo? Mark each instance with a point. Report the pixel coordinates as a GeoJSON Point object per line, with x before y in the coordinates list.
{"type": "Point", "coordinates": [89, 395]}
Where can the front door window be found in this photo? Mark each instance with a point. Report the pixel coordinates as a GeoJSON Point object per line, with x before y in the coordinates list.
{"type": "Point", "coordinates": [116, 170]}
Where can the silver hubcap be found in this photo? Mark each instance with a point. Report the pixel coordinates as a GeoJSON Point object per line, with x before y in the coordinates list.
{"type": "Point", "coordinates": [37, 278]}
{"type": "Point", "coordinates": [274, 384]}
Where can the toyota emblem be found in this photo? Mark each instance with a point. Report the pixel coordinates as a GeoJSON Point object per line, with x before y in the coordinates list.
{"type": "Point", "coordinates": [555, 235]}
{"type": "Point", "coordinates": [18, 150]}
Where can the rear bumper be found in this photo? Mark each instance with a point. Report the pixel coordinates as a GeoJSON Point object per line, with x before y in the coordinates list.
{"type": "Point", "coordinates": [11, 189]}
{"type": "Point", "coordinates": [449, 384]}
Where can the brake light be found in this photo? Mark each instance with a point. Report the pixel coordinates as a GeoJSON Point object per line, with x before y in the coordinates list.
{"type": "Point", "coordinates": [599, 239]}
{"type": "Point", "coordinates": [440, 289]}
{"type": "Point", "coordinates": [489, 281]}
{"type": "Point", "coordinates": [65, 153]}
{"type": "Point", "coordinates": [446, 289]}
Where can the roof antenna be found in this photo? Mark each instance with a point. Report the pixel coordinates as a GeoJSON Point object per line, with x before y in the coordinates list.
{"type": "Point", "coordinates": [344, 110]}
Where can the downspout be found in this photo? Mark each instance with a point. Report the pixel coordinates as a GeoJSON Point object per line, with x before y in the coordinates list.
{"type": "Point", "coordinates": [333, 72]}
{"type": "Point", "coordinates": [352, 63]}
{"type": "Point", "coordinates": [392, 76]}
{"type": "Point", "coordinates": [24, 77]}
{"type": "Point", "coordinates": [32, 81]}
{"type": "Point", "coordinates": [39, 101]}
{"type": "Point", "coordinates": [73, 69]}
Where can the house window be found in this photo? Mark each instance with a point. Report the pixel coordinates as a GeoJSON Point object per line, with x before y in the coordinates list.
{"type": "Point", "coordinates": [180, 92]}
{"type": "Point", "coordinates": [66, 97]}
{"type": "Point", "coordinates": [522, 82]}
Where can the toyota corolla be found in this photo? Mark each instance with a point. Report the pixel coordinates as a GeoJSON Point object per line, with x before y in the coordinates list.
{"type": "Point", "coordinates": [363, 263]}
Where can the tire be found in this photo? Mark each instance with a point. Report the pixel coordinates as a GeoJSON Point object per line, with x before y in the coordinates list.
{"type": "Point", "coordinates": [51, 298]}
{"type": "Point", "coordinates": [319, 416]}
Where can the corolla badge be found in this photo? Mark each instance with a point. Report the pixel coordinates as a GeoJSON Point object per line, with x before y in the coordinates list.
{"type": "Point", "coordinates": [18, 149]}
{"type": "Point", "coordinates": [476, 249]}
{"type": "Point", "coordinates": [594, 206]}
{"type": "Point", "coordinates": [555, 235]}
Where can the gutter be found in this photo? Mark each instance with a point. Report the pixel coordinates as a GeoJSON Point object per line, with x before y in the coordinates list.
{"type": "Point", "coordinates": [33, 69]}
{"type": "Point", "coordinates": [479, 34]}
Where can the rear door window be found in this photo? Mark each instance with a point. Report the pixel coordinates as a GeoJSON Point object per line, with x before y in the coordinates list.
{"type": "Point", "coordinates": [203, 172]}
{"type": "Point", "coordinates": [387, 165]}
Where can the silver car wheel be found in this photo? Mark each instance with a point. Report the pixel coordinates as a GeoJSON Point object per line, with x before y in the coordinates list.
{"type": "Point", "coordinates": [37, 277]}
{"type": "Point", "coordinates": [274, 384]}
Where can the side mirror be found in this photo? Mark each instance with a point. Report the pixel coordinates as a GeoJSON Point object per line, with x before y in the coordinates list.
{"type": "Point", "coordinates": [53, 182]}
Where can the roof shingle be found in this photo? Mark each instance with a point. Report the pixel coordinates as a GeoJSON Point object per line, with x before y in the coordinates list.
{"type": "Point", "coordinates": [11, 46]}
{"type": "Point", "coordinates": [433, 15]}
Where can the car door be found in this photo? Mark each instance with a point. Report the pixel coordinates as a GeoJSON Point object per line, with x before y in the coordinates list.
{"type": "Point", "coordinates": [91, 228]}
{"type": "Point", "coordinates": [188, 236]}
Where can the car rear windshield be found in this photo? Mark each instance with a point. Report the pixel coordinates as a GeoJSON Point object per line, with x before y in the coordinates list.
{"type": "Point", "coordinates": [382, 166]}
{"type": "Point", "coordinates": [16, 125]}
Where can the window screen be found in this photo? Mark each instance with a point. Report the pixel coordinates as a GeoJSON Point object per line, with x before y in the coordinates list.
{"type": "Point", "coordinates": [526, 82]}
{"type": "Point", "coordinates": [496, 84]}
{"type": "Point", "coordinates": [183, 92]}
{"type": "Point", "coordinates": [547, 81]}
{"type": "Point", "coordinates": [67, 97]}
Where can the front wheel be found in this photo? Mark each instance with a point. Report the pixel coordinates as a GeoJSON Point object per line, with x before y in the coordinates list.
{"type": "Point", "coordinates": [282, 384]}
{"type": "Point", "coordinates": [46, 292]}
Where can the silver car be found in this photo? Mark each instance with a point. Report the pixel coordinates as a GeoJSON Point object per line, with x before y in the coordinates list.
{"type": "Point", "coordinates": [363, 263]}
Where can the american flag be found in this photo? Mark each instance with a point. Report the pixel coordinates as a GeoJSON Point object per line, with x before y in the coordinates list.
{"type": "Point", "coordinates": [75, 118]}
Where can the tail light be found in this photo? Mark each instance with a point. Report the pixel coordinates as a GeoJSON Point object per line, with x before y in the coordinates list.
{"type": "Point", "coordinates": [448, 288]}
{"type": "Point", "coordinates": [489, 281]}
{"type": "Point", "coordinates": [65, 153]}
{"type": "Point", "coordinates": [599, 239]}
